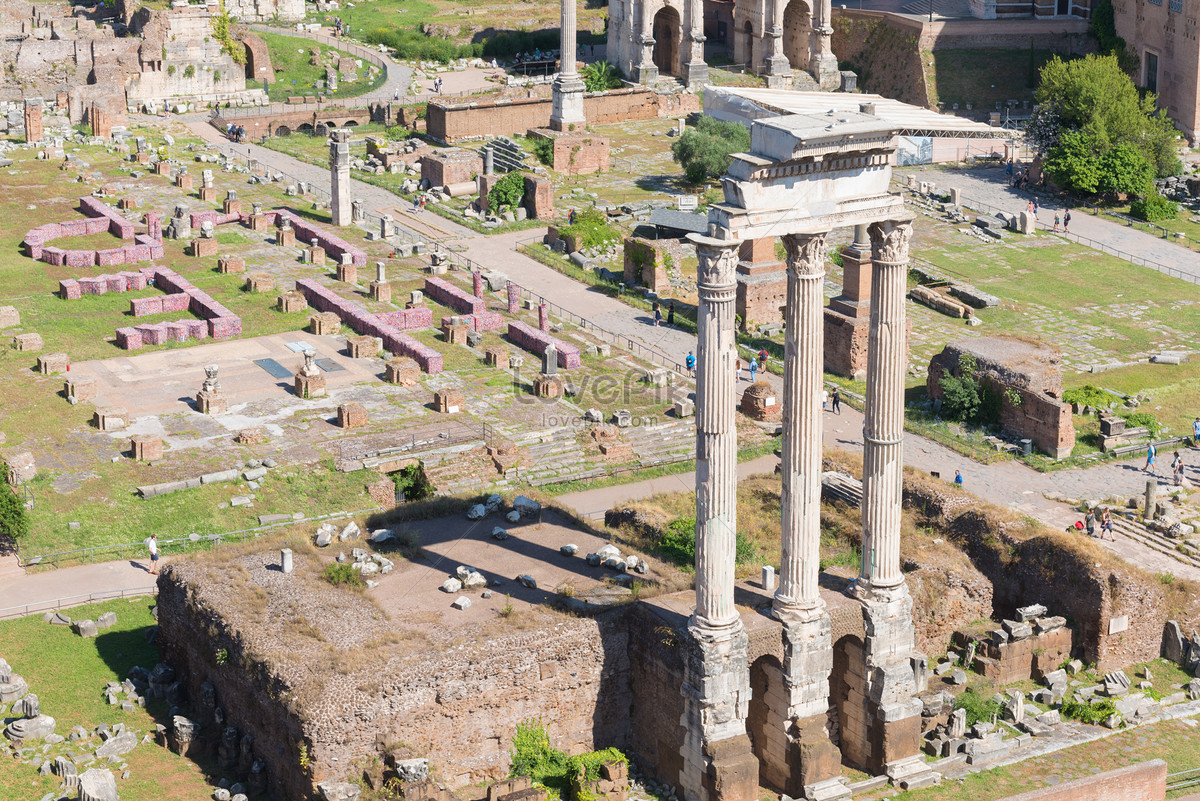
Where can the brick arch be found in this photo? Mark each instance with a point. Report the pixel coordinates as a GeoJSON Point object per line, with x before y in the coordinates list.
{"type": "Point", "coordinates": [765, 721]}
{"type": "Point", "coordinates": [282, 130]}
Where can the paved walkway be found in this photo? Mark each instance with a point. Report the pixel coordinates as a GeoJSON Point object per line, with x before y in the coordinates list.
{"type": "Point", "coordinates": [990, 186]}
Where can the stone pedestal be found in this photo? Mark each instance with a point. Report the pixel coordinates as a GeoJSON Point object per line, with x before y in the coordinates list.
{"type": "Point", "coordinates": [146, 448]}
{"type": "Point", "coordinates": [183, 181]}
{"type": "Point", "coordinates": [112, 418]}
{"type": "Point", "coordinates": [204, 247]}
{"type": "Point", "coordinates": [381, 291]}
{"type": "Point", "coordinates": [310, 386]}
{"type": "Point", "coordinates": [291, 302]}
{"type": "Point", "coordinates": [567, 91]}
{"type": "Point", "coordinates": [53, 363]}
{"type": "Point", "coordinates": [325, 324]}
{"type": "Point", "coordinates": [259, 222]}
{"type": "Point", "coordinates": [207, 194]}
{"type": "Point", "coordinates": [260, 282]}
{"type": "Point", "coordinates": [232, 206]}
{"type": "Point", "coordinates": [211, 402]}
{"type": "Point", "coordinates": [403, 371]}
{"type": "Point", "coordinates": [455, 333]}
{"type": "Point", "coordinates": [230, 265]}
{"type": "Point", "coordinates": [547, 386]}
{"type": "Point", "coordinates": [9, 317]}
{"type": "Point", "coordinates": [33, 120]}
{"type": "Point", "coordinates": [28, 342]}
{"type": "Point", "coordinates": [351, 415]}
{"type": "Point", "coordinates": [162, 168]}
{"type": "Point", "coordinates": [347, 273]}
{"type": "Point", "coordinates": [315, 254]}
{"type": "Point", "coordinates": [81, 389]}
{"type": "Point", "coordinates": [286, 237]}
{"type": "Point", "coordinates": [759, 402]}
{"type": "Point", "coordinates": [448, 400]}
{"type": "Point", "coordinates": [365, 347]}
{"type": "Point", "coordinates": [496, 357]}
{"type": "Point", "coordinates": [761, 283]}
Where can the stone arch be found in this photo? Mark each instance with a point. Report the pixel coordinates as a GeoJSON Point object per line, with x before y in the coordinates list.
{"type": "Point", "coordinates": [797, 33]}
{"type": "Point", "coordinates": [847, 690]}
{"type": "Point", "coordinates": [351, 124]}
{"type": "Point", "coordinates": [668, 39]}
{"type": "Point", "coordinates": [765, 722]}
{"type": "Point", "coordinates": [283, 130]}
{"type": "Point", "coordinates": [743, 44]}
{"type": "Point", "coordinates": [304, 128]}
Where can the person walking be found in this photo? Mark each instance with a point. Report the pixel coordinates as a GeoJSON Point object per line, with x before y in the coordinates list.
{"type": "Point", "coordinates": [152, 545]}
{"type": "Point", "coordinates": [1089, 522]}
{"type": "Point", "coordinates": [1196, 433]}
{"type": "Point", "coordinates": [1035, 208]}
{"type": "Point", "coordinates": [1177, 468]}
{"type": "Point", "coordinates": [836, 397]}
{"type": "Point", "coordinates": [1067, 222]}
{"type": "Point", "coordinates": [762, 358]}
{"type": "Point", "coordinates": [1151, 452]}
{"type": "Point", "coordinates": [1106, 524]}
{"type": "Point", "coordinates": [690, 361]}
{"type": "Point", "coordinates": [1057, 221]}
{"type": "Point", "coordinates": [657, 315]}
{"type": "Point", "coordinates": [958, 478]}
{"type": "Point", "coordinates": [737, 369]}
{"type": "Point", "coordinates": [671, 314]}
{"type": "Point", "coordinates": [753, 370]}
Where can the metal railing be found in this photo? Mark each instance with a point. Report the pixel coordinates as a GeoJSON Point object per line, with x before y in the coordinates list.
{"type": "Point", "coordinates": [1183, 778]}
{"type": "Point", "coordinates": [69, 601]}
{"type": "Point", "coordinates": [1095, 244]}
{"type": "Point", "coordinates": [178, 544]}
{"type": "Point", "coordinates": [1175, 237]}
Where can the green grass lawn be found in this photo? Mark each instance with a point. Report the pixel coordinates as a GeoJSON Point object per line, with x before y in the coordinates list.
{"type": "Point", "coordinates": [68, 674]}
{"type": "Point", "coordinates": [294, 75]}
{"type": "Point", "coordinates": [983, 77]}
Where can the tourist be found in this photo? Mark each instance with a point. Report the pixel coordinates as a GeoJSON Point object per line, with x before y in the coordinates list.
{"type": "Point", "coordinates": [1196, 433]}
{"type": "Point", "coordinates": [1057, 221]}
{"type": "Point", "coordinates": [1177, 468]}
{"type": "Point", "coordinates": [836, 397]}
{"type": "Point", "coordinates": [396, 95]}
{"type": "Point", "coordinates": [737, 369]}
{"type": "Point", "coordinates": [762, 358]}
{"type": "Point", "coordinates": [753, 369]}
{"type": "Point", "coordinates": [690, 361]}
{"type": "Point", "coordinates": [1106, 524]}
{"type": "Point", "coordinates": [1150, 454]}
{"type": "Point", "coordinates": [824, 400]}
{"type": "Point", "coordinates": [1067, 222]}
{"type": "Point", "coordinates": [1029, 207]}
{"type": "Point", "coordinates": [152, 546]}
{"type": "Point", "coordinates": [571, 217]}
{"type": "Point", "coordinates": [1035, 208]}
{"type": "Point", "coordinates": [671, 314]}
{"type": "Point", "coordinates": [1008, 168]}
{"type": "Point", "coordinates": [958, 478]}
{"type": "Point", "coordinates": [1089, 522]}
{"type": "Point", "coordinates": [657, 315]}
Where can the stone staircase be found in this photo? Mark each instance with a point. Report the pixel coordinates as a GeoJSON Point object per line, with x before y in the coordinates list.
{"type": "Point", "coordinates": [1132, 527]}
{"type": "Point", "coordinates": [466, 471]}
{"type": "Point", "coordinates": [667, 441]}
{"type": "Point", "coordinates": [507, 155]}
{"type": "Point", "coordinates": [551, 456]}
{"type": "Point", "coordinates": [803, 82]}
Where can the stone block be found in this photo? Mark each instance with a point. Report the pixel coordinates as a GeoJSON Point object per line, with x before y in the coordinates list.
{"type": "Point", "coordinates": [53, 363]}
{"type": "Point", "coordinates": [81, 389]}
{"type": "Point", "coordinates": [351, 415]}
{"type": "Point", "coordinates": [403, 371]}
{"type": "Point", "coordinates": [448, 400]}
{"type": "Point", "coordinates": [28, 342]}
{"type": "Point", "coordinates": [310, 386]}
{"type": "Point", "coordinates": [347, 273]}
{"type": "Point", "coordinates": [145, 447]}
{"type": "Point", "coordinates": [112, 418]}
{"type": "Point", "coordinates": [210, 402]}
{"type": "Point", "coordinates": [381, 291]}
{"type": "Point", "coordinates": [291, 301]}
{"type": "Point", "coordinates": [204, 247]}
{"type": "Point", "coordinates": [21, 466]}
{"type": "Point", "coordinates": [230, 265]}
{"type": "Point", "coordinates": [325, 324]}
{"type": "Point", "coordinates": [260, 282]}
{"type": "Point", "coordinates": [9, 317]}
{"type": "Point", "coordinates": [365, 347]}
{"type": "Point", "coordinates": [496, 356]}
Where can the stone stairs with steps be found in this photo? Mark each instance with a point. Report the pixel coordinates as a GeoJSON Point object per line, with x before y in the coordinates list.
{"type": "Point", "coordinates": [507, 155]}
{"type": "Point", "coordinates": [554, 455]}
{"type": "Point", "coordinates": [667, 441]}
{"type": "Point", "coordinates": [1133, 528]}
{"type": "Point", "coordinates": [668, 83]}
{"type": "Point", "coordinates": [468, 471]}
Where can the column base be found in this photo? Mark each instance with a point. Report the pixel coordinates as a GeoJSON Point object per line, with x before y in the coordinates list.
{"type": "Point", "coordinates": [718, 761]}
{"type": "Point", "coordinates": [567, 110]}
{"type": "Point", "coordinates": [846, 341]}
{"type": "Point", "coordinates": [824, 69]}
{"type": "Point", "coordinates": [645, 75]}
{"type": "Point", "coordinates": [695, 75]}
{"type": "Point", "coordinates": [911, 773]}
{"type": "Point", "coordinates": [814, 762]}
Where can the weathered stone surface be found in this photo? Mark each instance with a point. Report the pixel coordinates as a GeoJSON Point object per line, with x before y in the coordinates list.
{"type": "Point", "coordinates": [338, 791]}
{"type": "Point", "coordinates": [123, 743]}
{"type": "Point", "coordinates": [325, 535]}
{"type": "Point", "coordinates": [85, 628]}
{"type": "Point", "coordinates": [106, 620]}
{"type": "Point", "coordinates": [30, 728]}
{"type": "Point", "coordinates": [412, 770]}
{"type": "Point", "coordinates": [526, 507]}
{"type": "Point", "coordinates": [96, 784]}
{"type": "Point", "coordinates": [476, 512]}
{"type": "Point", "coordinates": [27, 707]}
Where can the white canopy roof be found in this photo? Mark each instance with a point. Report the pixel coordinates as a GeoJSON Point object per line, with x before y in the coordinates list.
{"type": "Point", "coordinates": [743, 105]}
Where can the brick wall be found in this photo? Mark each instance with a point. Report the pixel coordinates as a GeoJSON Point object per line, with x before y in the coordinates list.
{"type": "Point", "coordinates": [1144, 781]}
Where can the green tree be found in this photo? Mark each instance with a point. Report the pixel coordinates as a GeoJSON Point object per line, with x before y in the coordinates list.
{"type": "Point", "coordinates": [1124, 169]}
{"type": "Point", "coordinates": [508, 191]}
{"type": "Point", "coordinates": [705, 151]}
{"type": "Point", "coordinates": [600, 76]}
{"type": "Point", "coordinates": [1093, 96]}
{"type": "Point", "coordinates": [1072, 163]}
{"type": "Point", "coordinates": [14, 522]}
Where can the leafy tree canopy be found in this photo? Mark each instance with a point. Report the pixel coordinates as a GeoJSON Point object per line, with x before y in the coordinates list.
{"type": "Point", "coordinates": [508, 191]}
{"type": "Point", "coordinates": [14, 522]}
{"type": "Point", "coordinates": [600, 76]}
{"type": "Point", "coordinates": [706, 150]}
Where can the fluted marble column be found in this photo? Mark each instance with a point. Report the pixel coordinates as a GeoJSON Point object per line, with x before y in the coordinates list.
{"type": "Point", "coordinates": [822, 63]}
{"type": "Point", "coordinates": [813, 761]}
{"type": "Point", "coordinates": [718, 763]}
{"type": "Point", "coordinates": [696, 68]}
{"type": "Point", "coordinates": [775, 63]}
{"type": "Point", "coordinates": [567, 90]}
{"type": "Point", "coordinates": [894, 670]}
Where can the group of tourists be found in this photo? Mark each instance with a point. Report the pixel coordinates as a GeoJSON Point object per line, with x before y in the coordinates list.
{"type": "Point", "coordinates": [235, 133]}
{"type": "Point", "coordinates": [1105, 520]}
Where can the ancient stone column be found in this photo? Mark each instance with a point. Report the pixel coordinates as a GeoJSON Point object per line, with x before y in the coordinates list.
{"type": "Point", "coordinates": [775, 63]}
{"type": "Point", "coordinates": [339, 176]}
{"type": "Point", "coordinates": [892, 710]}
{"type": "Point", "coordinates": [814, 762]}
{"type": "Point", "coordinates": [822, 64]}
{"type": "Point", "coordinates": [33, 119]}
{"type": "Point", "coordinates": [567, 103]}
{"type": "Point", "coordinates": [718, 762]}
{"type": "Point", "coordinates": [695, 71]}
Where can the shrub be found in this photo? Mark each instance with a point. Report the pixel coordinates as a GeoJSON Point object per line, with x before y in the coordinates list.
{"type": "Point", "coordinates": [592, 228]}
{"type": "Point", "coordinates": [338, 573]}
{"type": "Point", "coordinates": [507, 45]}
{"type": "Point", "coordinates": [189, 71]}
{"type": "Point", "coordinates": [412, 482]}
{"type": "Point", "coordinates": [221, 25]}
{"type": "Point", "coordinates": [14, 521]}
{"type": "Point", "coordinates": [543, 149]}
{"type": "Point", "coordinates": [979, 709]}
{"type": "Point", "coordinates": [1088, 395]}
{"type": "Point", "coordinates": [507, 192]}
{"type": "Point", "coordinates": [600, 76]}
{"type": "Point", "coordinates": [532, 755]}
{"type": "Point", "coordinates": [705, 151]}
{"type": "Point", "coordinates": [1153, 207]}
{"type": "Point", "coordinates": [1094, 713]}
{"type": "Point", "coordinates": [678, 544]}
{"type": "Point", "coordinates": [412, 44]}
{"type": "Point", "coordinates": [1145, 419]}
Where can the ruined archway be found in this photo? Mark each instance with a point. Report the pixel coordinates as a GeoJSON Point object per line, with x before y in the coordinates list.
{"type": "Point", "coordinates": [743, 45]}
{"type": "Point", "coordinates": [283, 130]}
{"type": "Point", "coordinates": [797, 34]}
{"type": "Point", "coordinates": [666, 41]}
{"type": "Point", "coordinates": [847, 693]}
{"type": "Point", "coordinates": [765, 722]}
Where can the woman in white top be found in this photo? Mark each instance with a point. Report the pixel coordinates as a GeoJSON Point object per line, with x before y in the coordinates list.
{"type": "Point", "coordinates": [152, 544]}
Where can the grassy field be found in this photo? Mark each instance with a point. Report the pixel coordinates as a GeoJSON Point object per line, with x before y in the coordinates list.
{"type": "Point", "coordinates": [983, 78]}
{"type": "Point", "coordinates": [68, 674]}
{"type": "Point", "coordinates": [294, 75]}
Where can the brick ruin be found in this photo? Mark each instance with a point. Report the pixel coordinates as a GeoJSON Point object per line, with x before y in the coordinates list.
{"type": "Point", "coordinates": [1026, 376]}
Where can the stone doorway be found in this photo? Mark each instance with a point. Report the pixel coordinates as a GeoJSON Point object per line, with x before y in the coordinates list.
{"type": "Point", "coordinates": [797, 34]}
{"type": "Point", "coordinates": [666, 41]}
{"type": "Point", "coordinates": [766, 724]}
{"type": "Point", "coordinates": [743, 46]}
{"type": "Point", "coordinates": [847, 684]}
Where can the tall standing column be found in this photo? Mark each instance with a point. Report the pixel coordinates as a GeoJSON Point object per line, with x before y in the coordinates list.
{"type": "Point", "coordinates": [822, 63]}
{"type": "Point", "coordinates": [813, 761]}
{"type": "Point", "coordinates": [718, 763]}
{"type": "Point", "coordinates": [567, 91]}
{"type": "Point", "coordinates": [894, 670]}
{"type": "Point", "coordinates": [339, 176]}
{"type": "Point", "coordinates": [775, 63]}
{"type": "Point", "coordinates": [695, 71]}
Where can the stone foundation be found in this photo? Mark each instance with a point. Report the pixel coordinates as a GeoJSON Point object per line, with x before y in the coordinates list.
{"type": "Point", "coordinates": [146, 448]}
{"type": "Point", "coordinates": [291, 302]}
{"type": "Point", "coordinates": [347, 273]}
{"type": "Point", "coordinates": [110, 419]}
{"type": "Point", "coordinates": [325, 324]}
{"type": "Point", "coordinates": [260, 282]}
{"type": "Point", "coordinates": [81, 389]}
{"type": "Point", "coordinates": [448, 401]}
{"type": "Point", "coordinates": [230, 265]}
{"type": "Point", "coordinates": [365, 347]}
{"type": "Point", "coordinates": [210, 402]}
{"type": "Point", "coordinates": [351, 415]}
{"type": "Point", "coordinates": [53, 363]}
{"type": "Point", "coordinates": [381, 291]}
{"type": "Point", "coordinates": [403, 371]}
{"type": "Point", "coordinates": [310, 386]}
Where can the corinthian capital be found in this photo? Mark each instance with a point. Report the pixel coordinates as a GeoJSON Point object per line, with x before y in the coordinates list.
{"type": "Point", "coordinates": [805, 253]}
{"type": "Point", "coordinates": [889, 241]}
{"type": "Point", "coordinates": [717, 264]}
